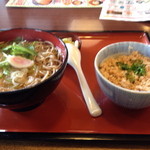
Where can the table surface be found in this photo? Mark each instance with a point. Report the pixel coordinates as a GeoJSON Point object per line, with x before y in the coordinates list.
{"type": "Point", "coordinates": [74, 145]}
{"type": "Point", "coordinates": [72, 20]}
{"type": "Point", "coordinates": [63, 19]}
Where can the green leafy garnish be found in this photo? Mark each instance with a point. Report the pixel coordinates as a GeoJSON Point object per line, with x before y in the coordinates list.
{"type": "Point", "coordinates": [136, 68]}
{"type": "Point", "coordinates": [15, 48]}
{"type": "Point", "coordinates": [6, 70]}
{"type": "Point", "coordinates": [18, 49]}
{"type": "Point", "coordinates": [123, 66]}
{"type": "Point", "coordinates": [5, 67]}
{"type": "Point", "coordinates": [4, 63]}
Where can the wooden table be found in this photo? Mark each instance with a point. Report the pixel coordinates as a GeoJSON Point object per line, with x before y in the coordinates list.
{"type": "Point", "coordinates": [76, 145]}
{"type": "Point", "coordinates": [60, 19]}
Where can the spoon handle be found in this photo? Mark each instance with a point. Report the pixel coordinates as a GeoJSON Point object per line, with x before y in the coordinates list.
{"type": "Point", "coordinates": [92, 105]}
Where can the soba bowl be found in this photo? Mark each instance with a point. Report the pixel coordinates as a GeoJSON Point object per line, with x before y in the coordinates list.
{"type": "Point", "coordinates": [128, 98]}
{"type": "Point", "coordinates": [33, 95]}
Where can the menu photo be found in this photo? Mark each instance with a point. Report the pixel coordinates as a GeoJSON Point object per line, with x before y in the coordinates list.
{"type": "Point", "coordinates": [55, 3]}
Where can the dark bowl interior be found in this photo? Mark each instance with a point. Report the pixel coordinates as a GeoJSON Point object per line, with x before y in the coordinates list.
{"type": "Point", "coordinates": [26, 98]}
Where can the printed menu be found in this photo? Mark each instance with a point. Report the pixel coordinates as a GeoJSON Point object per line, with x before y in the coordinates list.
{"type": "Point", "coordinates": [121, 10]}
{"type": "Point", "coordinates": [55, 3]}
{"type": "Point", "coordinates": [126, 10]}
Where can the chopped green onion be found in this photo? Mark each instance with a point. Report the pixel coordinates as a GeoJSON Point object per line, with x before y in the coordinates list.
{"type": "Point", "coordinates": [123, 66]}
{"type": "Point", "coordinates": [17, 49]}
{"type": "Point", "coordinates": [5, 67]}
{"type": "Point", "coordinates": [137, 67]}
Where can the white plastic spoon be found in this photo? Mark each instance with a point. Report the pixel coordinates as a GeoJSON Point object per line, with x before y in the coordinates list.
{"type": "Point", "coordinates": [74, 59]}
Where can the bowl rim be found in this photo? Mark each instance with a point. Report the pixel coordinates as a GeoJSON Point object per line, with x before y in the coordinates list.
{"type": "Point", "coordinates": [55, 74]}
{"type": "Point", "coordinates": [105, 79]}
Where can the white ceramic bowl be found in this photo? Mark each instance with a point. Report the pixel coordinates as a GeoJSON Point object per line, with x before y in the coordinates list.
{"type": "Point", "coordinates": [121, 96]}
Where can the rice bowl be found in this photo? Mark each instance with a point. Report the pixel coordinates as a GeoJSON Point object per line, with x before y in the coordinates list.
{"type": "Point", "coordinates": [119, 95]}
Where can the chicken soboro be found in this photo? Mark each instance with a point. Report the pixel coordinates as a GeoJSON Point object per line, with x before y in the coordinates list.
{"type": "Point", "coordinates": [128, 71]}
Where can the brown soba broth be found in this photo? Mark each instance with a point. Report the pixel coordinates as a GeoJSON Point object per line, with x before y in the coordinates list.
{"type": "Point", "coordinates": [24, 64]}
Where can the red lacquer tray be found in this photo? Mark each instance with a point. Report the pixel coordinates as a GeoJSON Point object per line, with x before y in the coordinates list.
{"type": "Point", "coordinates": [64, 113]}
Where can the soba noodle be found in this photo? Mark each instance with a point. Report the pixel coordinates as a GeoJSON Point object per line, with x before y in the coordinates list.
{"type": "Point", "coordinates": [47, 60]}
